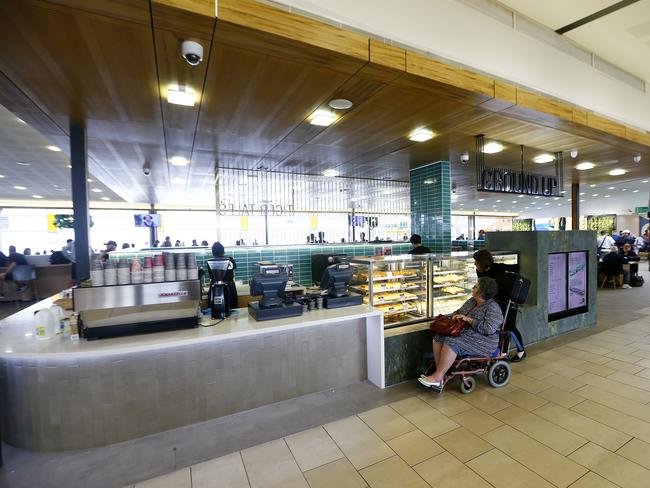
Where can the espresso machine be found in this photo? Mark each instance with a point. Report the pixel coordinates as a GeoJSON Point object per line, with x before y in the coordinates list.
{"type": "Point", "coordinates": [219, 294]}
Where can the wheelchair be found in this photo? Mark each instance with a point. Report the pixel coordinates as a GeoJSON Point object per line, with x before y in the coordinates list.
{"type": "Point", "coordinates": [496, 367]}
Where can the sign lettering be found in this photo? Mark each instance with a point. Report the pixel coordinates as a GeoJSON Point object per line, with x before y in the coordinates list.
{"type": "Point", "coordinates": [503, 180]}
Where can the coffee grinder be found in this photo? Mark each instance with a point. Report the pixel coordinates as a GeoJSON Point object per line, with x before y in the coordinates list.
{"type": "Point", "coordinates": [219, 295]}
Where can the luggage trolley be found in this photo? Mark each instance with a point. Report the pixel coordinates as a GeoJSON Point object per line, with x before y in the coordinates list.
{"type": "Point", "coordinates": [496, 366]}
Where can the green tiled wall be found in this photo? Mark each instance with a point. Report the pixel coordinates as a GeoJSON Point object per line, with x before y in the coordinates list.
{"type": "Point", "coordinates": [431, 206]}
{"type": "Point", "coordinates": [463, 245]}
{"type": "Point", "coordinates": [299, 256]}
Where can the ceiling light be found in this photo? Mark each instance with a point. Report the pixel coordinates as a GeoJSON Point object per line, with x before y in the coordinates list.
{"type": "Point", "coordinates": [611, 188]}
{"type": "Point", "coordinates": [322, 117]}
{"type": "Point", "coordinates": [37, 196]}
{"type": "Point", "coordinates": [421, 135]}
{"type": "Point", "coordinates": [481, 199]}
{"type": "Point", "coordinates": [595, 195]}
{"type": "Point", "coordinates": [90, 180]}
{"type": "Point", "coordinates": [181, 95]}
{"type": "Point", "coordinates": [493, 206]}
{"type": "Point", "coordinates": [536, 197]}
{"type": "Point", "coordinates": [97, 190]}
{"type": "Point", "coordinates": [330, 173]}
{"type": "Point", "coordinates": [428, 182]}
{"type": "Point", "coordinates": [462, 204]}
{"type": "Point", "coordinates": [617, 172]}
{"type": "Point", "coordinates": [559, 204]}
{"type": "Point", "coordinates": [584, 166]}
{"type": "Point", "coordinates": [582, 193]}
{"type": "Point", "coordinates": [492, 147]}
{"type": "Point", "coordinates": [623, 189]}
{"type": "Point", "coordinates": [569, 200]}
{"type": "Point", "coordinates": [644, 181]}
{"type": "Point", "coordinates": [69, 166]}
{"type": "Point", "coordinates": [178, 181]}
{"type": "Point", "coordinates": [22, 163]}
{"type": "Point", "coordinates": [563, 192]}
{"type": "Point", "coordinates": [635, 191]}
{"type": "Point", "coordinates": [179, 161]}
{"type": "Point", "coordinates": [547, 203]}
{"type": "Point", "coordinates": [607, 196]}
{"type": "Point", "coordinates": [514, 201]}
{"type": "Point", "coordinates": [591, 186]}
{"type": "Point", "coordinates": [521, 196]}
{"type": "Point", "coordinates": [556, 198]}
{"type": "Point", "coordinates": [105, 198]}
{"type": "Point", "coordinates": [543, 158]}
{"type": "Point", "coordinates": [582, 200]}
{"type": "Point", "coordinates": [2, 176]}
{"type": "Point", "coordinates": [340, 104]}
{"type": "Point", "coordinates": [20, 120]}
{"type": "Point", "coordinates": [498, 201]}
{"type": "Point", "coordinates": [53, 148]}
{"type": "Point", "coordinates": [20, 188]}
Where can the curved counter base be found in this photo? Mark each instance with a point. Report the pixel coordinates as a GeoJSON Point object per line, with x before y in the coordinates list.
{"type": "Point", "coordinates": [73, 401]}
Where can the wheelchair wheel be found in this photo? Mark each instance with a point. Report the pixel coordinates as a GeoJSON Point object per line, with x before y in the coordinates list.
{"type": "Point", "coordinates": [499, 374]}
{"type": "Point", "coordinates": [467, 384]}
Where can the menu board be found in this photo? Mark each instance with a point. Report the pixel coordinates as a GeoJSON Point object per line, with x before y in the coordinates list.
{"type": "Point", "coordinates": [577, 279]}
{"type": "Point", "coordinates": [557, 281]}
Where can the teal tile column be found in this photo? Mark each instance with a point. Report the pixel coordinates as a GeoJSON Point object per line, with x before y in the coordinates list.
{"type": "Point", "coordinates": [431, 205]}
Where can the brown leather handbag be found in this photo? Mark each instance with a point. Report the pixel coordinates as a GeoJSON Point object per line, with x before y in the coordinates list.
{"type": "Point", "coordinates": [444, 325]}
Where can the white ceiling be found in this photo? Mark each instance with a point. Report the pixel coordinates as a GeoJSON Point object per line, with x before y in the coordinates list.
{"type": "Point", "coordinates": [622, 38]}
{"type": "Point", "coordinates": [42, 172]}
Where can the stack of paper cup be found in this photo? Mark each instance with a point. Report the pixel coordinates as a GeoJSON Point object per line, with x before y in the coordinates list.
{"type": "Point", "coordinates": [123, 272]}
{"type": "Point", "coordinates": [181, 270]}
{"type": "Point", "coordinates": [158, 274]}
{"type": "Point", "coordinates": [110, 273]}
{"type": "Point", "coordinates": [170, 268]}
{"type": "Point", "coordinates": [137, 274]}
{"type": "Point", "coordinates": [97, 273]}
{"type": "Point", "coordinates": [148, 269]}
{"type": "Point", "coordinates": [192, 270]}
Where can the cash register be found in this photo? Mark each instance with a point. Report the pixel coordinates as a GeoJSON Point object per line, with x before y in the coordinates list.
{"type": "Point", "coordinates": [270, 283]}
{"type": "Point", "coordinates": [335, 280]}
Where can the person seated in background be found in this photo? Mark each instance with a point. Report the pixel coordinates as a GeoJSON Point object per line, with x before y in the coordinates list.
{"type": "Point", "coordinates": [194, 243]}
{"type": "Point", "coordinates": [631, 258]}
{"type": "Point", "coordinates": [461, 237]}
{"type": "Point", "coordinates": [125, 245]}
{"type": "Point", "coordinates": [613, 263]}
{"type": "Point", "coordinates": [204, 243]}
{"type": "Point", "coordinates": [479, 338]}
{"type": "Point", "coordinates": [418, 248]}
{"type": "Point", "coordinates": [625, 238]}
{"type": "Point", "coordinates": [605, 243]}
{"type": "Point", "coordinates": [481, 235]}
{"type": "Point", "coordinates": [14, 259]}
{"type": "Point", "coordinates": [155, 243]}
{"type": "Point", "coordinates": [167, 242]}
{"type": "Point", "coordinates": [177, 243]}
{"type": "Point", "coordinates": [27, 251]}
{"type": "Point", "coordinates": [110, 247]}
{"type": "Point", "coordinates": [485, 266]}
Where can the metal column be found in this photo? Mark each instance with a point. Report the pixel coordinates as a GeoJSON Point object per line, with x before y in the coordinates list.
{"type": "Point", "coordinates": [153, 231]}
{"type": "Point", "coordinates": [79, 177]}
{"type": "Point", "coordinates": [575, 206]}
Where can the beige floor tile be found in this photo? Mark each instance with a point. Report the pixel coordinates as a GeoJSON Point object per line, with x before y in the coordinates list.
{"type": "Point", "coordinates": [483, 400]}
{"type": "Point", "coordinates": [477, 421]}
{"type": "Point", "coordinates": [386, 422]}
{"type": "Point", "coordinates": [504, 472]}
{"type": "Point", "coordinates": [636, 409]}
{"type": "Point", "coordinates": [504, 390]}
{"type": "Point", "coordinates": [392, 473]}
{"type": "Point", "coordinates": [535, 456]}
{"type": "Point", "coordinates": [463, 444]}
{"type": "Point", "coordinates": [312, 448]}
{"type": "Point", "coordinates": [631, 379]}
{"type": "Point", "coordinates": [229, 470]}
{"type": "Point", "coordinates": [339, 474]}
{"type": "Point", "coordinates": [271, 465]}
{"type": "Point", "coordinates": [583, 426]}
{"type": "Point", "coordinates": [548, 433]}
{"type": "Point", "coordinates": [617, 365]}
{"type": "Point", "coordinates": [611, 466]}
{"type": "Point", "coordinates": [569, 361]}
{"type": "Point", "coordinates": [644, 373]}
{"type": "Point", "coordinates": [592, 480]}
{"type": "Point", "coordinates": [424, 417]}
{"type": "Point", "coordinates": [637, 451]}
{"type": "Point", "coordinates": [525, 382]}
{"type": "Point", "coordinates": [177, 479]}
{"type": "Point", "coordinates": [625, 356]}
{"type": "Point", "coordinates": [615, 387]}
{"type": "Point", "coordinates": [561, 397]}
{"type": "Point", "coordinates": [644, 346]}
{"type": "Point", "coordinates": [415, 447]}
{"type": "Point", "coordinates": [358, 442]}
{"type": "Point", "coordinates": [590, 348]}
{"type": "Point", "coordinates": [607, 344]}
{"type": "Point", "coordinates": [538, 372]}
{"type": "Point", "coordinates": [641, 353]}
{"type": "Point", "coordinates": [644, 363]}
{"type": "Point", "coordinates": [564, 383]}
{"type": "Point", "coordinates": [584, 355]}
{"type": "Point", "coordinates": [447, 404]}
{"type": "Point", "coordinates": [615, 419]}
{"type": "Point", "coordinates": [525, 400]}
{"type": "Point", "coordinates": [563, 369]}
{"type": "Point", "coordinates": [445, 471]}
{"type": "Point", "coordinates": [599, 369]}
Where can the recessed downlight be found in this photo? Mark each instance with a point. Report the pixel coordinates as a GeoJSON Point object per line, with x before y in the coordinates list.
{"type": "Point", "coordinates": [181, 95]}
{"type": "Point", "coordinates": [2, 176]}
{"type": "Point", "coordinates": [635, 191]}
{"type": "Point", "coordinates": [330, 173]}
{"type": "Point", "coordinates": [106, 199]}
{"type": "Point", "coordinates": [90, 180]}
{"type": "Point", "coordinates": [322, 118]}
{"type": "Point", "coordinates": [97, 190]}
{"type": "Point", "coordinates": [53, 148]}
{"type": "Point", "coordinates": [23, 163]}
{"type": "Point", "coordinates": [20, 188]}
{"type": "Point", "coordinates": [543, 158]}
{"type": "Point", "coordinates": [584, 166]}
{"type": "Point", "coordinates": [37, 196]}
{"type": "Point", "coordinates": [179, 161]}
{"type": "Point", "coordinates": [428, 182]}
{"type": "Point", "coordinates": [421, 135]}
{"type": "Point", "coordinates": [617, 172]}
{"type": "Point", "coordinates": [492, 148]}
{"type": "Point", "coordinates": [591, 186]}
{"type": "Point", "coordinates": [340, 104]}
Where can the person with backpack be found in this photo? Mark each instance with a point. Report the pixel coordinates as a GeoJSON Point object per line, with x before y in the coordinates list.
{"type": "Point", "coordinates": [605, 243]}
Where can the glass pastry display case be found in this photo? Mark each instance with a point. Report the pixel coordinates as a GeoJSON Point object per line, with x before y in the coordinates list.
{"type": "Point", "coordinates": [397, 285]}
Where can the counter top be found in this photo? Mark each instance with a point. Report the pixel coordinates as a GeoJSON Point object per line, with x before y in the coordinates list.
{"type": "Point", "coordinates": [17, 340]}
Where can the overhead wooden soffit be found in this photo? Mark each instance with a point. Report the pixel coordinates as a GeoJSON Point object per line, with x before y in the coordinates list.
{"type": "Point", "coordinates": [401, 67]}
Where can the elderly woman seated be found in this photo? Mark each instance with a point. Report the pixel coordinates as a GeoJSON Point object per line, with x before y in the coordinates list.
{"type": "Point", "coordinates": [479, 338]}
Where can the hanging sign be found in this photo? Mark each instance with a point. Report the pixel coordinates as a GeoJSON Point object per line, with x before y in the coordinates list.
{"type": "Point", "coordinates": [243, 223]}
{"type": "Point", "coordinates": [313, 222]}
{"type": "Point", "coordinates": [502, 180]}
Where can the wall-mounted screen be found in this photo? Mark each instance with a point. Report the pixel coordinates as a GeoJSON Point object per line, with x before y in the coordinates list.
{"type": "Point", "coordinates": [147, 220]}
{"type": "Point", "coordinates": [567, 284]}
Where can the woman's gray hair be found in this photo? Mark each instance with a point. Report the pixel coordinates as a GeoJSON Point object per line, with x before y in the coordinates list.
{"type": "Point", "coordinates": [487, 287]}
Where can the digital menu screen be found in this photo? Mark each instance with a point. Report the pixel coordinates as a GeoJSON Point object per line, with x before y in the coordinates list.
{"type": "Point", "coordinates": [557, 283]}
{"type": "Point", "coordinates": [577, 279]}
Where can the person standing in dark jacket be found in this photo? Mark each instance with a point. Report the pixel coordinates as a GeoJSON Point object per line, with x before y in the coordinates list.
{"type": "Point", "coordinates": [418, 248]}
{"type": "Point", "coordinates": [218, 252]}
{"type": "Point", "coordinates": [485, 266]}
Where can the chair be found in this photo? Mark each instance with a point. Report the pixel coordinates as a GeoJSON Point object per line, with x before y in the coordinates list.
{"type": "Point", "coordinates": [25, 273]}
{"type": "Point", "coordinates": [610, 272]}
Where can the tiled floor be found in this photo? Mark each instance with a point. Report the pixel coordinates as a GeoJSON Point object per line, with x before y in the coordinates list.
{"type": "Point", "coordinates": [576, 415]}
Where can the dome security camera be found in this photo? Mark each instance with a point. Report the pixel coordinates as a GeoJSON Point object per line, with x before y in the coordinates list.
{"type": "Point", "coordinates": [574, 153]}
{"type": "Point", "coordinates": [192, 52]}
{"type": "Point", "coordinates": [637, 158]}
{"type": "Point", "coordinates": [464, 158]}
{"type": "Point", "coordinates": [146, 169]}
